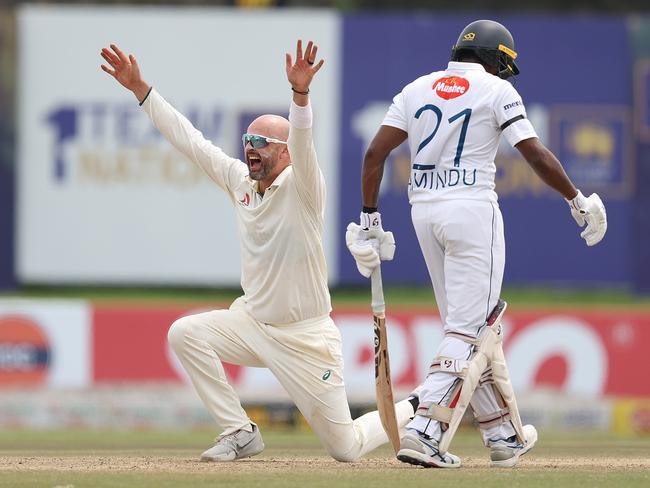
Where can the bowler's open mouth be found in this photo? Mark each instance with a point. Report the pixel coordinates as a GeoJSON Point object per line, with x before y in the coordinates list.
{"type": "Point", "coordinates": [254, 162]}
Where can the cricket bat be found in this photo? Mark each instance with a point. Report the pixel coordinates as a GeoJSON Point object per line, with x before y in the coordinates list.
{"type": "Point", "coordinates": [383, 386]}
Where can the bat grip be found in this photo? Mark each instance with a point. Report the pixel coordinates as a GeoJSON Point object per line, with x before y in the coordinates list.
{"type": "Point", "coordinates": [377, 288]}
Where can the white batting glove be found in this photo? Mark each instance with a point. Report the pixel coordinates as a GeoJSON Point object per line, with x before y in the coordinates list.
{"type": "Point", "coordinates": [589, 211]}
{"type": "Point", "coordinates": [364, 249]}
{"type": "Point", "coordinates": [369, 243]}
{"type": "Point", "coordinates": [371, 223]}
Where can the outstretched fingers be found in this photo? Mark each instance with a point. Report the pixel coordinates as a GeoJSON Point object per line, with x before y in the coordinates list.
{"type": "Point", "coordinates": [299, 50]}
{"type": "Point", "coordinates": [119, 52]}
{"type": "Point", "coordinates": [312, 54]}
{"type": "Point", "coordinates": [108, 70]}
{"type": "Point", "coordinates": [110, 57]}
{"type": "Point", "coordinates": [318, 66]}
{"type": "Point", "coordinates": [308, 54]}
{"type": "Point", "coordinates": [134, 62]}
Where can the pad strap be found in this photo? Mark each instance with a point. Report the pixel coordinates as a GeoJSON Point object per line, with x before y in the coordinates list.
{"type": "Point", "coordinates": [493, 419]}
{"type": "Point", "coordinates": [435, 412]}
{"type": "Point", "coordinates": [463, 337]}
{"type": "Point", "coordinates": [443, 364]}
{"type": "Point", "coordinates": [486, 378]}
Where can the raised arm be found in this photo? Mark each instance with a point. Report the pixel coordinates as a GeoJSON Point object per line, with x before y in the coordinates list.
{"type": "Point", "coordinates": [310, 183]}
{"type": "Point", "coordinates": [302, 71]}
{"type": "Point", "coordinates": [224, 170]}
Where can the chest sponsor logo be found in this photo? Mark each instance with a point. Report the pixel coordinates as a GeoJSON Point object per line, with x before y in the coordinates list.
{"type": "Point", "coordinates": [246, 200]}
{"type": "Point", "coordinates": [451, 87]}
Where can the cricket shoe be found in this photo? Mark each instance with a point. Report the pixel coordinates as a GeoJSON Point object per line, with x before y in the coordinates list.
{"type": "Point", "coordinates": [505, 453]}
{"type": "Point", "coordinates": [419, 449]}
{"type": "Point", "coordinates": [240, 444]}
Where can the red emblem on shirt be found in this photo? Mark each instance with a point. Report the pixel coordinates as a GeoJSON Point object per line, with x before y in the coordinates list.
{"type": "Point", "coordinates": [451, 87]}
{"type": "Point", "coordinates": [246, 200]}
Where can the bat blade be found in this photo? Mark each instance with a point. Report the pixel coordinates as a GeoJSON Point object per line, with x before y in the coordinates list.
{"type": "Point", "coordinates": [383, 385]}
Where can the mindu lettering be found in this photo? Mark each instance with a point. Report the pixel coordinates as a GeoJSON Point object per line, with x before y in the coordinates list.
{"type": "Point", "coordinates": [432, 179]}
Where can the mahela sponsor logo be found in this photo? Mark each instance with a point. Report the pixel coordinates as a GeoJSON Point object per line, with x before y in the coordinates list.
{"type": "Point", "coordinates": [451, 87]}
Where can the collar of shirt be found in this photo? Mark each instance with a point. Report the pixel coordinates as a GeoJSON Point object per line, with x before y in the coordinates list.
{"type": "Point", "coordinates": [461, 66]}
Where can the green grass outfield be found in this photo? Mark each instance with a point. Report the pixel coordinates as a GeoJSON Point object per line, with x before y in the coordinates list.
{"type": "Point", "coordinates": [359, 296]}
{"type": "Point", "coordinates": [295, 459]}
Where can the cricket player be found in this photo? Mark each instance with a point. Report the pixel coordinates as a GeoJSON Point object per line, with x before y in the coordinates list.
{"type": "Point", "coordinates": [282, 322]}
{"type": "Point", "coordinates": [453, 120]}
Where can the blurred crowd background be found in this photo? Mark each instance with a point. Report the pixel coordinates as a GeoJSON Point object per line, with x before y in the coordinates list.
{"type": "Point", "coordinates": [91, 197]}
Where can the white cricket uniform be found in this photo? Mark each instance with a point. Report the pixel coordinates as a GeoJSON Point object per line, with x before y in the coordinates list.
{"type": "Point", "coordinates": [282, 321]}
{"type": "Point", "coordinates": [454, 120]}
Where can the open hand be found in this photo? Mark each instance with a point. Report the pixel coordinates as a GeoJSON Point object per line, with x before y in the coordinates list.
{"type": "Point", "coordinates": [125, 70]}
{"type": "Point", "coordinates": [301, 73]}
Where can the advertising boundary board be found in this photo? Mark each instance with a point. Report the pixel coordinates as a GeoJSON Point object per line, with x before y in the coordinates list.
{"type": "Point", "coordinates": [101, 197]}
{"type": "Point", "coordinates": [580, 353]}
{"type": "Point", "coordinates": [383, 53]}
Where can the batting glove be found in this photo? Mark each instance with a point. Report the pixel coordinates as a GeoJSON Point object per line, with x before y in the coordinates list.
{"type": "Point", "coordinates": [369, 243]}
{"type": "Point", "coordinates": [590, 212]}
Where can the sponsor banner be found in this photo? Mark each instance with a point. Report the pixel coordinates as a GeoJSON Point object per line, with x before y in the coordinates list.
{"type": "Point", "coordinates": [384, 53]}
{"type": "Point", "coordinates": [631, 416]}
{"type": "Point", "coordinates": [639, 27]}
{"type": "Point", "coordinates": [45, 343]}
{"type": "Point", "coordinates": [594, 144]}
{"type": "Point", "coordinates": [573, 353]}
{"type": "Point", "coordinates": [102, 198]}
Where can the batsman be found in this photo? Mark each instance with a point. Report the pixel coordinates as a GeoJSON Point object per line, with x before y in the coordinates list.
{"type": "Point", "coordinates": [453, 120]}
{"type": "Point", "coordinates": [282, 322]}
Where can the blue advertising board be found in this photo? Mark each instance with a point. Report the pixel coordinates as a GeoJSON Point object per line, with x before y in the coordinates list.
{"type": "Point", "coordinates": [579, 105]}
{"type": "Point", "coordinates": [640, 35]}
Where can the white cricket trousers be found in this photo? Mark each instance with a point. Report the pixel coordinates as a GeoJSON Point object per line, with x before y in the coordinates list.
{"type": "Point", "coordinates": [298, 354]}
{"type": "Point", "coordinates": [464, 248]}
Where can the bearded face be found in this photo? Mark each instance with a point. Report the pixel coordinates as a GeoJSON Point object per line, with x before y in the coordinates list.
{"type": "Point", "coordinates": [260, 162]}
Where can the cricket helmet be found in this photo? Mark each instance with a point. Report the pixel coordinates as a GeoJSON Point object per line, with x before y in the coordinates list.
{"type": "Point", "coordinates": [490, 42]}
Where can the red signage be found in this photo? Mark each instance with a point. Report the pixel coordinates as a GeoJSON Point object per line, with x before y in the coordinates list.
{"type": "Point", "coordinates": [572, 351]}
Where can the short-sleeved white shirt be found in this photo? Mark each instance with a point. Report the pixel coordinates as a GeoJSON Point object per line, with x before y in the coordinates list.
{"type": "Point", "coordinates": [454, 120]}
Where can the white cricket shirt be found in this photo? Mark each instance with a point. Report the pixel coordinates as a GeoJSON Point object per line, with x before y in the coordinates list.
{"type": "Point", "coordinates": [284, 274]}
{"type": "Point", "coordinates": [454, 120]}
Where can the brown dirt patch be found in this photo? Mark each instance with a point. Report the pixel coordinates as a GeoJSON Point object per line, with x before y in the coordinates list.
{"type": "Point", "coordinates": [126, 463]}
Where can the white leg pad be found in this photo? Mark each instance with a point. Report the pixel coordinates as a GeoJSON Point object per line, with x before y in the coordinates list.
{"type": "Point", "coordinates": [489, 352]}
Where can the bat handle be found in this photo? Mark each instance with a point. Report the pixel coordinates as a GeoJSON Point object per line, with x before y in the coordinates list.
{"type": "Point", "coordinates": [377, 288]}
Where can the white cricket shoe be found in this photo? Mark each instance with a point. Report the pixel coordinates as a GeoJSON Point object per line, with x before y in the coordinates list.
{"type": "Point", "coordinates": [417, 448]}
{"type": "Point", "coordinates": [505, 453]}
{"type": "Point", "coordinates": [239, 444]}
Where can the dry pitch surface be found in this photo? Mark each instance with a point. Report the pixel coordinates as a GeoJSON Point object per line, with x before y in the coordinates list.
{"type": "Point", "coordinates": [158, 459]}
